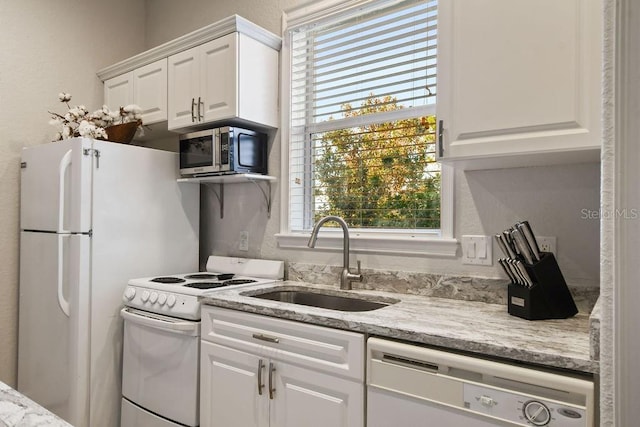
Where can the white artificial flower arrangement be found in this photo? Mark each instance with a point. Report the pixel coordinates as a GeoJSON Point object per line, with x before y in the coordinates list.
{"type": "Point", "coordinates": [77, 121]}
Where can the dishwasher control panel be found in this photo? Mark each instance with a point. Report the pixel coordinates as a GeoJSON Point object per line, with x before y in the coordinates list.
{"type": "Point", "coordinates": [415, 383]}
{"type": "Point", "coordinates": [520, 408]}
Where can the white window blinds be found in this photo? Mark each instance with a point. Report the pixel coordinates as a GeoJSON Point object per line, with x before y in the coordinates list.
{"type": "Point", "coordinates": [363, 91]}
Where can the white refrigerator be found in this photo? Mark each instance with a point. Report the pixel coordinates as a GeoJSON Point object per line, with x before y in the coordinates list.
{"type": "Point", "coordinates": [93, 215]}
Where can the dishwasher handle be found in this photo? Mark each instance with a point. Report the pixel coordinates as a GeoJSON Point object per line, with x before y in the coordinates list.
{"type": "Point", "coordinates": [409, 363]}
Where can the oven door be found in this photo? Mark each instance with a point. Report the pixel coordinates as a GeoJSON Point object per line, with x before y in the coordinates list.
{"type": "Point", "coordinates": [160, 365]}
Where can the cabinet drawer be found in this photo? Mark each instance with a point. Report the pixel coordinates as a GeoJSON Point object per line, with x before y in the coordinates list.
{"type": "Point", "coordinates": [324, 349]}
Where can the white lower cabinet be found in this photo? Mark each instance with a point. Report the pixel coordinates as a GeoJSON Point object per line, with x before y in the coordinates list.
{"type": "Point", "coordinates": [229, 388]}
{"type": "Point", "coordinates": [260, 371]}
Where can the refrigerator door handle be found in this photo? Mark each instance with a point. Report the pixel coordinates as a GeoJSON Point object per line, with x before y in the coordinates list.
{"type": "Point", "coordinates": [62, 302]}
{"type": "Point", "coordinates": [64, 165]}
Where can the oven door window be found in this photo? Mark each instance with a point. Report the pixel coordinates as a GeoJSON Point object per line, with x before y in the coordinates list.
{"type": "Point", "coordinates": [196, 152]}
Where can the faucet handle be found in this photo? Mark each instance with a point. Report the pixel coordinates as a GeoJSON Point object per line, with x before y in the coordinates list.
{"type": "Point", "coordinates": [358, 275]}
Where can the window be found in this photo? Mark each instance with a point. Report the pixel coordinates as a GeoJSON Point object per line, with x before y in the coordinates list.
{"type": "Point", "coordinates": [361, 113]}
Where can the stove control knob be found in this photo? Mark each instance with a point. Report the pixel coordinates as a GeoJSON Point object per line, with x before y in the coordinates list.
{"type": "Point", "coordinates": [153, 298]}
{"type": "Point", "coordinates": [145, 296]}
{"type": "Point", "coordinates": [129, 293]}
{"type": "Point", "coordinates": [162, 298]}
{"type": "Point", "coordinates": [171, 300]}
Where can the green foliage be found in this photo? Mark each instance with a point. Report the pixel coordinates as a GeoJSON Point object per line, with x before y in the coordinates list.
{"type": "Point", "coordinates": [379, 175]}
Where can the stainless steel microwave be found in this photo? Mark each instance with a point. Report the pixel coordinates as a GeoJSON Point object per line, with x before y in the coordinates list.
{"type": "Point", "coordinates": [223, 150]}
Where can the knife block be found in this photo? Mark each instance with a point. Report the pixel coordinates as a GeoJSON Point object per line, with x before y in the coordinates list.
{"type": "Point", "coordinates": [548, 298]}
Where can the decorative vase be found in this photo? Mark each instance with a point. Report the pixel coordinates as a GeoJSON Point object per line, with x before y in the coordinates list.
{"type": "Point", "coordinates": [123, 132]}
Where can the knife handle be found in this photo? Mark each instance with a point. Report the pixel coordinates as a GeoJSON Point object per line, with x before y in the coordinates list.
{"type": "Point", "coordinates": [525, 273]}
{"type": "Point", "coordinates": [503, 264]}
{"type": "Point", "coordinates": [522, 245]}
{"type": "Point", "coordinates": [516, 271]}
{"type": "Point", "coordinates": [507, 244]}
{"type": "Point", "coordinates": [501, 244]}
{"type": "Point", "coordinates": [527, 232]}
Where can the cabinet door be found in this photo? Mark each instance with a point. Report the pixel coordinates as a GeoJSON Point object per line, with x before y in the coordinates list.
{"type": "Point", "coordinates": [150, 91]}
{"type": "Point", "coordinates": [303, 397]}
{"type": "Point", "coordinates": [183, 88]}
{"type": "Point", "coordinates": [519, 77]}
{"type": "Point", "coordinates": [229, 381]}
{"type": "Point", "coordinates": [257, 82]}
{"type": "Point", "coordinates": [118, 91]}
{"type": "Point", "coordinates": [219, 78]}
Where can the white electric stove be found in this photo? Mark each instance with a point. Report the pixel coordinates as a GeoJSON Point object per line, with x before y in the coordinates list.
{"type": "Point", "coordinates": [161, 342]}
{"type": "Point", "coordinates": [178, 295]}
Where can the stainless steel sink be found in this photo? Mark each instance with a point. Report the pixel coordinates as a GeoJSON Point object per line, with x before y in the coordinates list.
{"type": "Point", "coordinates": [320, 299]}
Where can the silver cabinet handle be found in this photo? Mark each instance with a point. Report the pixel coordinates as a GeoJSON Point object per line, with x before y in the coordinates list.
{"type": "Point", "coordinates": [193, 106]}
{"type": "Point", "coordinates": [267, 338]}
{"type": "Point", "coordinates": [260, 369]}
{"type": "Point", "coordinates": [272, 387]}
{"type": "Point", "coordinates": [200, 115]}
{"type": "Point", "coordinates": [440, 141]}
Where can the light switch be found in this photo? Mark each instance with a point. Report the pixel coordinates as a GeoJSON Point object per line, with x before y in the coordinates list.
{"type": "Point", "coordinates": [471, 249]}
{"type": "Point", "coordinates": [477, 250]}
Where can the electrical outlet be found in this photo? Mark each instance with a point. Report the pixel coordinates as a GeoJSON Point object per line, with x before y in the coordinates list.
{"type": "Point", "coordinates": [547, 244]}
{"type": "Point", "coordinates": [243, 244]}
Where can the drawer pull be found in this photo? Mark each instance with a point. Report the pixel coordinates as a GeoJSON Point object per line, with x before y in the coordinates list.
{"type": "Point", "coordinates": [267, 338]}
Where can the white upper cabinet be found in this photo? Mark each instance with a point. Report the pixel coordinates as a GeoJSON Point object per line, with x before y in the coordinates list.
{"type": "Point", "coordinates": [118, 91]}
{"type": "Point", "coordinates": [226, 72]}
{"type": "Point", "coordinates": [184, 74]}
{"type": "Point", "coordinates": [219, 78]}
{"type": "Point", "coordinates": [145, 86]}
{"type": "Point", "coordinates": [232, 78]}
{"type": "Point", "coordinates": [519, 82]}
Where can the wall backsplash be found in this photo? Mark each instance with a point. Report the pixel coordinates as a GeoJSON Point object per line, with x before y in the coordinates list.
{"type": "Point", "coordinates": [433, 285]}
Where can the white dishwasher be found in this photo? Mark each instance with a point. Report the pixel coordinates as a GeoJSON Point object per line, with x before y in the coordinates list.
{"type": "Point", "coordinates": [412, 386]}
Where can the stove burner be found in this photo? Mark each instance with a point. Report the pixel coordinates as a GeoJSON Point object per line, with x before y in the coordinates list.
{"type": "Point", "coordinates": [201, 276]}
{"type": "Point", "coordinates": [205, 285]}
{"type": "Point", "coordinates": [239, 282]}
{"type": "Point", "coordinates": [209, 276]}
{"type": "Point", "coordinates": [167, 280]}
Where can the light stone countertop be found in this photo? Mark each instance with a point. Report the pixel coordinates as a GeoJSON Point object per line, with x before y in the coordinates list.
{"type": "Point", "coordinates": [477, 327]}
{"type": "Point", "coordinates": [17, 410]}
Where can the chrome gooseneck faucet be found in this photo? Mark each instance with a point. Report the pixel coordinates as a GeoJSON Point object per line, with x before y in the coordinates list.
{"type": "Point", "coordinates": [347, 276]}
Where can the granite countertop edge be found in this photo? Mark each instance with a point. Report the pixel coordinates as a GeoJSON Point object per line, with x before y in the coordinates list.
{"type": "Point", "coordinates": [18, 410]}
{"type": "Point", "coordinates": [469, 326]}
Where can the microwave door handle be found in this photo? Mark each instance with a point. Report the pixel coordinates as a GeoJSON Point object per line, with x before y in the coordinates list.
{"type": "Point", "coordinates": [217, 147]}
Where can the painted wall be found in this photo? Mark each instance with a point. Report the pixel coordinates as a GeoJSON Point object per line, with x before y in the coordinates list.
{"type": "Point", "coordinates": [554, 199]}
{"type": "Point", "coordinates": [55, 47]}
{"type": "Point", "coordinates": [47, 47]}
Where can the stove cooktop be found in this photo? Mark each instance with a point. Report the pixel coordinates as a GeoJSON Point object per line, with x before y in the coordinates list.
{"type": "Point", "coordinates": [179, 295]}
{"type": "Point", "coordinates": [195, 283]}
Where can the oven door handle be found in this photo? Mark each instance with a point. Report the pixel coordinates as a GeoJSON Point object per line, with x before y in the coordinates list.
{"type": "Point", "coordinates": [179, 326]}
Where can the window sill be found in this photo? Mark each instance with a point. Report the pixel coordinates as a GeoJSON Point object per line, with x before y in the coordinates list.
{"type": "Point", "coordinates": [379, 243]}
